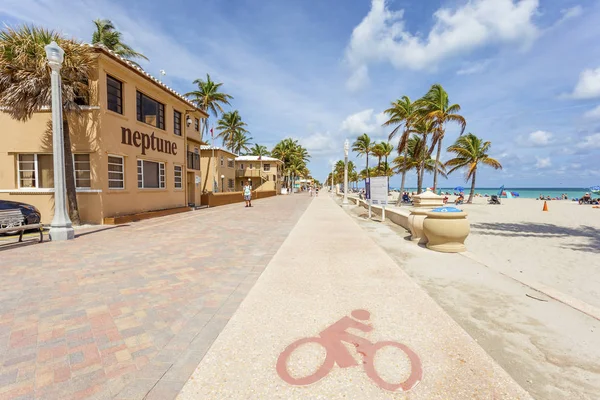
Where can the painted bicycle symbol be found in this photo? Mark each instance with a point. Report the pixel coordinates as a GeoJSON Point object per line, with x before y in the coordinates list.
{"type": "Point", "coordinates": [332, 339]}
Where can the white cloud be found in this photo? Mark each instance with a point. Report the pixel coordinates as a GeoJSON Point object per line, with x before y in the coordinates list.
{"type": "Point", "coordinates": [543, 162]}
{"type": "Point", "coordinates": [572, 12]}
{"type": "Point", "coordinates": [322, 144]}
{"type": "Point", "coordinates": [381, 36]}
{"type": "Point", "coordinates": [588, 86]}
{"type": "Point", "coordinates": [540, 138]}
{"type": "Point", "coordinates": [590, 142]}
{"type": "Point", "coordinates": [536, 139]}
{"type": "Point", "coordinates": [593, 113]}
{"type": "Point", "coordinates": [365, 121]}
{"type": "Point", "coordinates": [473, 68]}
{"type": "Point", "coordinates": [359, 79]}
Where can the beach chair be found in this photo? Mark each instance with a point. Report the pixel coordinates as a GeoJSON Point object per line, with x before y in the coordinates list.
{"type": "Point", "coordinates": [494, 199]}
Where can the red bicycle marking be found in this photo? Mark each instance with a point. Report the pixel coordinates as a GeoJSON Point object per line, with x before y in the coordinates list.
{"type": "Point", "coordinates": [332, 339]}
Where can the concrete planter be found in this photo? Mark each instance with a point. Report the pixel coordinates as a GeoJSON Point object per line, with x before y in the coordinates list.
{"type": "Point", "coordinates": [427, 199]}
{"type": "Point", "coordinates": [415, 223]}
{"type": "Point", "coordinates": [446, 229]}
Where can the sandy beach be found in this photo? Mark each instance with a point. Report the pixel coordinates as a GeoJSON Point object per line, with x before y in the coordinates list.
{"type": "Point", "coordinates": [558, 248]}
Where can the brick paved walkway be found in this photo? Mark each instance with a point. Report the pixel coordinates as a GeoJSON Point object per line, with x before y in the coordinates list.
{"type": "Point", "coordinates": [129, 312]}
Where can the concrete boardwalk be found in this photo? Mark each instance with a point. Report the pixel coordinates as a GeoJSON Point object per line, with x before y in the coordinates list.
{"type": "Point", "coordinates": [128, 312]}
{"type": "Point", "coordinates": [326, 269]}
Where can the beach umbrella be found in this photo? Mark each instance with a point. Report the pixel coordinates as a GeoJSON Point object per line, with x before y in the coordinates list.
{"type": "Point", "coordinates": [459, 188]}
{"type": "Point", "coordinates": [595, 189]}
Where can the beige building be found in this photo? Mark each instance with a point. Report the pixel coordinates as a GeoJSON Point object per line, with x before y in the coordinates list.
{"type": "Point", "coordinates": [218, 169]}
{"type": "Point", "coordinates": [265, 173]}
{"type": "Point", "coordinates": [134, 144]}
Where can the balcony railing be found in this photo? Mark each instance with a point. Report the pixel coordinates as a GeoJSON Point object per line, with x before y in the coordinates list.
{"type": "Point", "coordinates": [193, 160]}
{"type": "Point", "coordinates": [248, 173]}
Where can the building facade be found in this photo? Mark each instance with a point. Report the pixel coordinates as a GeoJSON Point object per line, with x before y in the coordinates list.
{"type": "Point", "coordinates": [133, 148]}
{"type": "Point", "coordinates": [265, 173]}
{"type": "Point", "coordinates": [218, 169]}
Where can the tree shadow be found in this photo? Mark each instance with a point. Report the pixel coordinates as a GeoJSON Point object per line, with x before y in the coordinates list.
{"type": "Point", "coordinates": [541, 230]}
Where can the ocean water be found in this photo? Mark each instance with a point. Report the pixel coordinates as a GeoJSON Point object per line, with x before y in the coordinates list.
{"type": "Point", "coordinates": [528, 193]}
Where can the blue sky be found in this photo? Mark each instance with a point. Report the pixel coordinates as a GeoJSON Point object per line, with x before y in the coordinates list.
{"type": "Point", "coordinates": [526, 72]}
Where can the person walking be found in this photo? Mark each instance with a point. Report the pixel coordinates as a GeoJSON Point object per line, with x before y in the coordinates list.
{"type": "Point", "coordinates": [247, 193]}
{"type": "Point", "coordinates": [310, 191]}
{"type": "Point", "coordinates": [317, 191]}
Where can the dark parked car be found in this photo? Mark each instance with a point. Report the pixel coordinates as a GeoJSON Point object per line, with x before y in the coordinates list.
{"type": "Point", "coordinates": [31, 215]}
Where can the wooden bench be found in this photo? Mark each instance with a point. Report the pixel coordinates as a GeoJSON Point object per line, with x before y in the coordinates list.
{"type": "Point", "coordinates": [14, 221]}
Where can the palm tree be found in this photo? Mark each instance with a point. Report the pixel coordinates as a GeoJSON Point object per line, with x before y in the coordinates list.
{"type": "Point", "coordinates": [423, 127]}
{"type": "Point", "coordinates": [418, 158]}
{"type": "Point", "coordinates": [208, 98]}
{"type": "Point", "coordinates": [363, 146]}
{"type": "Point", "coordinates": [386, 149]}
{"type": "Point", "coordinates": [293, 155]}
{"type": "Point", "coordinates": [25, 84]}
{"type": "Point", "coordinates": [436, 107]}
{"type": "Point", "coordinates": [259, 150]}
{"type": "Point", "coordinates": [470, 152]}
{"type": "Point", "coordinates": [240, 142]}
{"type": "Point", "coordinates": [107, 35]}
{"type": "Point", "coordinates": [229, 125]}
{"type": "Point", "coordinates": [377, 151]}
{"type": "Point", "coordinates": [402, 112]}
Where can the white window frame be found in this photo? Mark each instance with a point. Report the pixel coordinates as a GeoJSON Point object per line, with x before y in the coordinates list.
{"type": "Point", "coordinates": [35, 171]}
{"type": "Point", "coordinates": [265, 167]}
{"type": "Point", "coordinates": [222, 161]}
{"type": "Point", "coordinates": [230, 160]}
{"type": "Point", "coordinates": [88, 170]}
{"type": "Point", "coordinates": [122, 172]}
{"type": "Point", "coordinates": [175, 166]}
{"type": "Point", "coordinates": [162, 180]}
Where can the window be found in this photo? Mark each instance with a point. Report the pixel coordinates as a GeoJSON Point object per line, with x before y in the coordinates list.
{"type": "Point", "coordinates": [177, 177]}
{"type": "Point", "coordinates": [83, 178]}
{"type": "Point", "coordinates": [250, 166]}
{"type": "Point", "coordinates": [114, 94]}
{"type": "Point", "coordinates": [274, 178]}
{"type": "Point", "coordinates": [36, 171]}
{"type": "Point", "coordinates": [151, 175]}
{"type": "Point", "coordinates": [230, 163]}
{"type": "Point", "coordinates": [150, 111]}
{"type": "Point", "coordinates": [222, 161]}
{"type": "Point", "coordinates": [197, 124]}
{"type": "Point", "coordinates": [230, 184]}
{"type": "Point", "coordinates": [267, 167]}
{"type": "Point", "coordinates": [116, 172]}
{"type": "Point", "coordinates": [177, 122]}
{"type": "Point", "coordinates": [241, 166]}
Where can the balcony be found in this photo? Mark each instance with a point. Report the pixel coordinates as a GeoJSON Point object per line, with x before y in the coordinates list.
{"type": "Point", "coordinates": [193, 160]}
{"type": "Point", "coordinates": [249, 173]}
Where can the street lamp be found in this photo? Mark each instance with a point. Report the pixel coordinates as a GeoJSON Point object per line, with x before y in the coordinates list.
{"type": "Point", "coordinates": [61, 227]}
{"type": "Point", "coordinates": [223, 183]}
{"type": "Point", "coordinates": [346, 149]}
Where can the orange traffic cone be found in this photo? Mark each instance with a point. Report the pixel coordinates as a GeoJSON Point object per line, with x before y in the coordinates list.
{"type": "Point", "coordinates": [545, 206]}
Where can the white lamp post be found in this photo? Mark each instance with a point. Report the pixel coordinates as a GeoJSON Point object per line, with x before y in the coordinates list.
{"type": "Point", "coordinates": [61, 227]}
{"type": "Point", "coordinates": [222, 183]}
{"type": "Point", "coordinates": [346, 148]}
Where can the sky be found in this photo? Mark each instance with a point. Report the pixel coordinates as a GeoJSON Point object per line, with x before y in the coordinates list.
{"type": "Point", "coordinates": [526, 73]}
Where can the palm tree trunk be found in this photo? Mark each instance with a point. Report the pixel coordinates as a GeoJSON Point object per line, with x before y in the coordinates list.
{"type": "Point", "coordinates": [419, 178]}
{"type": "Point", "coordinates": [437, 161]}
{"type": "Point", "coordinates": [472, 187]}
{"type": "Point", "coordinates": [422, 172]}
{"type": "Point", "coordinates": [70, 176]}
{"type": "Point", "coordinates": [403, 175]}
